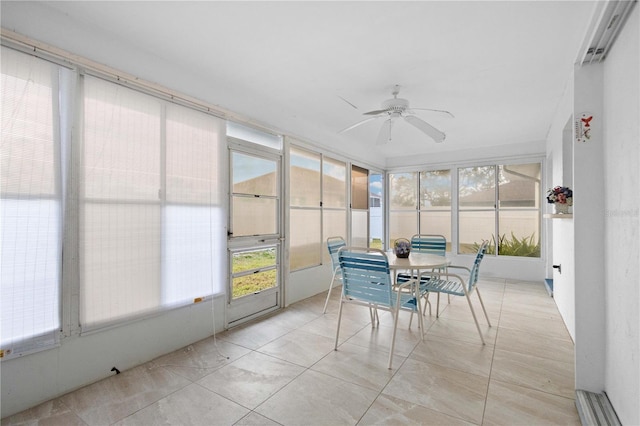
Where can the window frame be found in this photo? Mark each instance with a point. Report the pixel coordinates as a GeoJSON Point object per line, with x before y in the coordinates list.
{"type": "Point", "coordinates": [497, 208]}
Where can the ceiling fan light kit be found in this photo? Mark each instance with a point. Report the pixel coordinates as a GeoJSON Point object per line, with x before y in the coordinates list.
{"type": "Point", "coordinates": [394, 109]}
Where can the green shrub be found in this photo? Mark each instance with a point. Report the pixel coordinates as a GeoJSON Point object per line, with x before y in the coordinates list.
{"type": "Point", "coordinates": [523, 247]}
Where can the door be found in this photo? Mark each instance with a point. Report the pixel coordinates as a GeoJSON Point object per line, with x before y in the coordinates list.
{"type": "Point", "coordinates": [254, 242]}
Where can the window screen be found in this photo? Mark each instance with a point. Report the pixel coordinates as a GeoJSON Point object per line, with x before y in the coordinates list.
{"type": "Point", "coordinates": [30, 204]}
{"type": "Point", "coordinates": [151, 219]}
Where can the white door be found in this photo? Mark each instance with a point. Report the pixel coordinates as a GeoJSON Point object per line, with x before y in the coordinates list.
{"type": "Point", "coordinates": [254, 241]}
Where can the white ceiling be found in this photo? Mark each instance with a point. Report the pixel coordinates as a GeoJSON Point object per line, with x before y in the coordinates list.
{"type": "Point", "coordinates": [500, 67]}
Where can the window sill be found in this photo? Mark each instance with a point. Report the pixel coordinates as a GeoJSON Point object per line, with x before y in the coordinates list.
{"type": "Point", "coordinates": [558, 216]}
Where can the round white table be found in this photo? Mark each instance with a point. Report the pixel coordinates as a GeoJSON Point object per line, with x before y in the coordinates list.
{"type": "Point", "coordinates": [417, 261]}
{"type": "Point", "coordinates": [414, 264]}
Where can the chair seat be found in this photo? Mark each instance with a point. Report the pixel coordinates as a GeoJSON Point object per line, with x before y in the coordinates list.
{"type": "Point", "coordinates": [403, 278]}
{"type": "Point", "coordinates": [442, 286]}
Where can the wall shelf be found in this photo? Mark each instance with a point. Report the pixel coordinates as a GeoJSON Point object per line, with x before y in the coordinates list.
{"type": "Point", "coordinates": [558, 216]}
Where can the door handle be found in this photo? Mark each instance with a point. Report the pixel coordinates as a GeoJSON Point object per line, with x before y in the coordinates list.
{"type": "Point", "coordinates": [558, 267]}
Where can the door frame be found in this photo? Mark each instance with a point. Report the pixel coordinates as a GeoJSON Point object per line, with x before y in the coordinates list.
{"type": "Point", "coordinates": [246, 308]}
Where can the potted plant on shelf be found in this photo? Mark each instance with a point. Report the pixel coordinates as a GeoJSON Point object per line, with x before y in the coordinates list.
{"type": "Point", "coordinates": [561, 197]}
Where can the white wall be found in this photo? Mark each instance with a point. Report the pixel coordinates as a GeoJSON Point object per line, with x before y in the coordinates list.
{"type": "Point", "coordinates": [622, 222]}
{"type": "Point", "coordinates": [561, 230]}
{"type": "Point", "coordinates": [588, 223]}
{"type": "Point", "coordinates": [81, 360]}
{"type": "Point", "coordinates": [598, 292]}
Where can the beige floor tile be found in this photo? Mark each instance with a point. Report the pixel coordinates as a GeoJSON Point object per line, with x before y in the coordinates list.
{"type": "Point", "coordinates": [254, 334]}
{"type": "Point", "coordinates": [554, 328]}
{"type": "Point", "coordinates": [202, 358]}
{"type": "Point", "coordinates": [315, 398]}
{"type": "Point", "coordinates": [387, 410]}
{"type": "Point", "coordinates": [463, 330]}
{"type": "Point", "coordinates": [359, 365]}
{"type": "Point", "coordinates": [452, 392]}
{"type": "Point", "coordinates": [355, 313]}
{"type": "Point", "coordinates": [533, 287]}
{"type": "Point", "coordinates": [474, 358]}
{"type": "Point", "coordinates": [119, 396]}
{"type": "Point", "coordinates": [193, 405]}
{"type": "Point", "coordinates": [315, 304]}
{"type": "Point", "coordinates": [459, 310]}
{"type": "Point", "coordinates": [299, 347]}
{"type": "Point", "coordinates": [535, 344]}
{"type": "Point", "coordinates": [509, 404]}
{"type": "Point", "coordinates": [379, 339]}
{"type": "Point", "coordinates": [252, 379]}
{"type": "Point", "coordinates": [326, 325]}
{"type": "Point", "coordinates": [528, 308]}
{"type": "Point", "coordinates": [292, 317]}
{"type": "Point", "coordinates": [50, 413]}
{"type": "Point", "coordinates": [543, 374]}
{"type": "Point", "coordinates": [493, 282]}
{"type": "Point", "coordinates": [255, 419]}
{"type": "Point", "coordinates": [406, 321]}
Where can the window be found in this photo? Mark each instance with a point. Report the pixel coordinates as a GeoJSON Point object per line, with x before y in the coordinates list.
{"type": "Point", "coordinates": [359, 206]}
{"type": "Point", "coordinates": [376, 206]}
{"type": "Point", "coordinates": [500, 204]}
{"type": "Point", "coordinates": [403, 202]}
{"type": "Point", "coordinates": [476, 207]}
{"type": "Point", "coordinates": [305, 212]}
{"type": "Point", "coordinates": [334, 201]}
{"type": "Point", "coordinates": [420, 203]}
{"type": "Point", "coordinates": [150, 210]}
{"type": "Point", "coordinates": [435, 203]}
{"type": "Point", "coordinates": [30, 204]}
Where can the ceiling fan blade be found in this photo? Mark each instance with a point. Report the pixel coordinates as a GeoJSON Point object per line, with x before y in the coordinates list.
{"type": "Point", "coordinates": [385, 132]}
{"type": "Point", "coordinates": [359, 123]}
{"type": "Point", "coordinates": [375, 112]}
{"type": "Point", "coordinates": [348, 102]}
{"type": "Point", "coordinates": [435, 110]}
{"type": "Point", "coordinates": [426, 128]}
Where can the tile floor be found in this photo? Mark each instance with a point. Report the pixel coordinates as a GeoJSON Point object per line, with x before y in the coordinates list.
{"type": "Point", "coordinates": [283, 370]}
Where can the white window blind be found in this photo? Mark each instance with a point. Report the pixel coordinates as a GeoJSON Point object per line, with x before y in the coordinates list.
{"type": "Point", "coordinates": [30, 204]}
{"type": "Point", "coordinates": [151, 232]}
{"type": "Point", "coordinates": [194, 237]}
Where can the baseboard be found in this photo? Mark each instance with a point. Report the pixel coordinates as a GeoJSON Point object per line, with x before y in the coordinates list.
{"type": "Point", "coordinates": [595, 409]}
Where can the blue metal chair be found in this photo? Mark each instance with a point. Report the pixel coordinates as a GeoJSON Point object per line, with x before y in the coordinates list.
{"type": "Point", "coordinates": [430, 244]}
{"type": "Point", "coordinates": [366, 281]}
{"type": "Point", "coordinates": [455, 285]}
{"type": "Point", "coordinates": [333, 245]}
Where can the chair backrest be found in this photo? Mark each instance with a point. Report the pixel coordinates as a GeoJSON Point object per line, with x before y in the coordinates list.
{"type": "Point", "coordinates": [334, 244]}
{"type": "Point", "coordinates": [429, 243]}
{"type": "Point", "coordinates": [365, 275]}
{"type": "Point", "coordinates": [475, 270]}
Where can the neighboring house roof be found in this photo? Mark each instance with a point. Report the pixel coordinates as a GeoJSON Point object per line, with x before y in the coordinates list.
{"type": "Point", "coordinates": [518, 193]}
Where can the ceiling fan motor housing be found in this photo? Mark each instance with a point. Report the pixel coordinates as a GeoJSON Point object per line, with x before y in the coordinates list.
{"type": "Point", "coordinates": [398, 105]}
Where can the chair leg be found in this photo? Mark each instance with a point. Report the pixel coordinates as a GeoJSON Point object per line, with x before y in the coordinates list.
{"type": "Point", "coordinates": [427, 303]}
{"type": "Point", "coordinates": [373, 315]}
{"type": "Point", "coordinates": [438, 306]}
{"type": "Point", "coordinates": [483, 308]}
{"type": "Point", "coordinates": [326, 302]}
{"type": "Point", "coordinates": [335, 348]}
{"type": "Point", "coordinates": [474, 318]}
{"type": "Point", "coordinates": [395, 314]}
{"type": "Point", "coordinates": [420, 319]}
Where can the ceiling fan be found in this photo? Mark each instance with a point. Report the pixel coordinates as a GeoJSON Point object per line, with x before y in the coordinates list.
{"type": "Point", "coordinates": [394, 109]}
